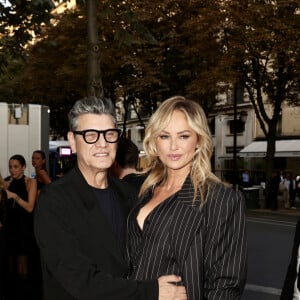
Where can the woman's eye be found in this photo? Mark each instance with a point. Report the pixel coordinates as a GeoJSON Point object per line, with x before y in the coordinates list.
{"type": "Point", "coordinates": [184, 136]}
{"type": "Point", "coordinates": [163, 136]}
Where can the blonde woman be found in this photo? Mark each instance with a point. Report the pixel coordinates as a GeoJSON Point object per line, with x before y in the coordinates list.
{"type": "Point", "coordinates": [187, 222]}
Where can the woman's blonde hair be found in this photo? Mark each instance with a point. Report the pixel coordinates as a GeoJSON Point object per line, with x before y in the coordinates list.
{"type": "Point", "coordinates": [200, 173]}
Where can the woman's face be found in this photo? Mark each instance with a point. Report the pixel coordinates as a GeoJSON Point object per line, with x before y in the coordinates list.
{"type": "Point", "coordinates": [176, 144]}
{"type": "Point", "coordinates": [37, 160]}
{"type": "Point", "coordinates": [16, 170]}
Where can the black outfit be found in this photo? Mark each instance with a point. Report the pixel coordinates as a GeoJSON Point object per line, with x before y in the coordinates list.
{"type": "Point", "coordinates": [40, 185]}
{"type": "Point", "coordinates": [273, 193]}
{"type": "Point", "coordinates": [20, 222]}
{"type": "Point", "coordinates": [289, 282]}
{"type": "Point", "coordinates": [81, 257]}
{"type": "Point", "coordinates": [3, 221]}
{"type": "Point", "coordinates": [292, 192]}
{"type": "Point", "coordinates": [136, 180]}
{"type": "Point", "coordinates": [205, 245]}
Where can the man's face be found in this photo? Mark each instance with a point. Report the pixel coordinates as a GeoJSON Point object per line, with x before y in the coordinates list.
{"type": "Point", "coordinates": [97, 157]}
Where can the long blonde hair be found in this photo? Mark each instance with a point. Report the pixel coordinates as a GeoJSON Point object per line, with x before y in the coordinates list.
{"type": "Point", "coordinates": [200, 173]}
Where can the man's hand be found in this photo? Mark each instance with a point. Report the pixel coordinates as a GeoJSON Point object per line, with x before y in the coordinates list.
{"type": "Point", "coordinates": [168, 290]}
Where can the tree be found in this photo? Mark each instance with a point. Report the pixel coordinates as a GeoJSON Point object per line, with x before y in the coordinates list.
{"type": "Point", "coordinates": [261, 49]}
{"type": "Point", "coordinates": [20, 23]}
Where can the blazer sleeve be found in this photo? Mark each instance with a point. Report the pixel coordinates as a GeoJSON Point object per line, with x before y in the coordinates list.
{"type": "Point", "coordinates": [76, 273]}
{"type": "Point", "coordinates": [217, 260]}
{"type": "Point", "coordinates": [290, 277]}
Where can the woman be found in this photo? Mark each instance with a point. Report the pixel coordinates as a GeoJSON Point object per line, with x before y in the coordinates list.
{"type": "Point", "coordinates": [187, 222]}
{"type": "Point", "coordinates": [3, 221]}
{"type": "Point", "coordinates": [22, 192]}
{"type": "Point", "coordinates": [39, 164]}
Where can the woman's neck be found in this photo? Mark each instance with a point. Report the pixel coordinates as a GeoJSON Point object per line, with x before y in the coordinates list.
{"type": "Point", "coordinates": [175, 179]}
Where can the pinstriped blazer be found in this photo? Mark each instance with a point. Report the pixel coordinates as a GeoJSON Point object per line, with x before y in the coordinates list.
{"type": "Point", "coordinates": [205, 245]}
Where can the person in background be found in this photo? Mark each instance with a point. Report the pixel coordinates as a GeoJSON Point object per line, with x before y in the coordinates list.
{"type": "Point", "coordinates": [39, 164]}
{"type": "Point", "coordinates": [284, 186]}
{"type": "Point", "coordinates": [80, 219]}
{"type": "Point", "coordinates": [126, 162]}
{"type": "Point", "coordinates": [21, 194]}
{"type": "Point", "coordinates": [298, 186]}
{"type": "Point", "coordinates": [3, 222]}
{"type": "Point", "coordinates": [187, 221]}
{"type": "Point", "coordinates": [272, 200]}
{"type": "Point", "coordinates": [292, 191]}
{"type": "Point", "coordinates": [291, 285]}
{"type": "Point", "coordinates": [245, 179]}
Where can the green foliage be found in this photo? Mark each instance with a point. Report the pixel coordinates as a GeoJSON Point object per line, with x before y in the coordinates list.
{"type": "Point", "coordinates": [22, 20]}
{"type": "Point", "coordinates": [151, 50]}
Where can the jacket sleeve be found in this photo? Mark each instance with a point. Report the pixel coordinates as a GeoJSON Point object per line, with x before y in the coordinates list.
{"type": "Point", "coordinates": [290, 277]}
{"type": "Point", "coordinates": [65, 262]}
{"type": "Point", "coordinates": [216, 263]}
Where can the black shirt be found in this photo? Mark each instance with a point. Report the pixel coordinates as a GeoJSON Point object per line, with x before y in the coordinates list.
{"type": "Point", "coordinates": [110, 206]}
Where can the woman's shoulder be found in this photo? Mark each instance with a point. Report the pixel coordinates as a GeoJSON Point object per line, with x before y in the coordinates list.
{"type": "Point", "coordinates": [223, 193]}
{"type": "Point", "coordinates": [30, 181]}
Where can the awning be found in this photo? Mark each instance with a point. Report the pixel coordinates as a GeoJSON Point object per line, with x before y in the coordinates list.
{"type": "Point", "coordinates": [283, 148]}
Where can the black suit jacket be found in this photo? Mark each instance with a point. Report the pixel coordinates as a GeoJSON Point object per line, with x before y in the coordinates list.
{"type": "Point", "coordinates": [79, 254]}
{"type": "Point", "coordinates": [289, 282]}
{"type": "Point", "coordinates": [205, 244]}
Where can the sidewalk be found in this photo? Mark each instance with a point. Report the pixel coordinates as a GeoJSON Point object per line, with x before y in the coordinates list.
{"type": "Point", "coordinates": [280, 211]}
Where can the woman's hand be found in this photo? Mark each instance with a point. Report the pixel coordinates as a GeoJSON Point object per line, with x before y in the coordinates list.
{"type": "Point", "coordinates": [11, 195]}
{"type": "Point", "coordinates": [170, 288]}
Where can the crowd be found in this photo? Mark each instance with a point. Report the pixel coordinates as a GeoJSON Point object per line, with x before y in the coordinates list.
{"type": "Point", "coordinates": [106, 231]}
{"type": "Point", "coordinates": [284, 187]}
{"type": "Point", "coordinates": [20, 261]}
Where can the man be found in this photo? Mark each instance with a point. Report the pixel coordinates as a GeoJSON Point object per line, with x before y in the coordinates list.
{"type": "Point", "coordinates": [125, 165]}
{"type": "Point", "coordinates": [80, 219]}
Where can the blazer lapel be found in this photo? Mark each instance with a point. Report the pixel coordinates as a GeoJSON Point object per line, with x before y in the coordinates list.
{"type": "Point", "coordinates": [186, 221]}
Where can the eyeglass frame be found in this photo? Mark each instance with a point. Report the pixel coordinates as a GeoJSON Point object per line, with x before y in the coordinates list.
{"type": "Point", "coordinates": [83, 133]}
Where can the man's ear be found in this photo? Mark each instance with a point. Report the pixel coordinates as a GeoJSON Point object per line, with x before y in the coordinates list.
{"type": "Point", "coordinates": [71, 139]}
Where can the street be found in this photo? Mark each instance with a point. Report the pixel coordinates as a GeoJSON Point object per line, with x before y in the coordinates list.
{"type": "Point", "coordinates": [270, 238]}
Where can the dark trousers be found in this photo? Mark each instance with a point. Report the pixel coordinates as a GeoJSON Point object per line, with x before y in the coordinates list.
{"type": "Point", "coordinates": [3, 266]}
{"type": "Point", "coordinates": [292, 197]}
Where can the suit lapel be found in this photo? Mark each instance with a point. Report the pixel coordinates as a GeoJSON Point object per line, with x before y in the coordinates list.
{"type": "Point", "coordinates": [186, 221]}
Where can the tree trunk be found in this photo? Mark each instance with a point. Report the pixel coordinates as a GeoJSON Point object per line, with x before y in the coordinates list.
{"type": "Point", "coordinates": [95, 87]}
{"type": "Point", "coordinates": [271, 142]}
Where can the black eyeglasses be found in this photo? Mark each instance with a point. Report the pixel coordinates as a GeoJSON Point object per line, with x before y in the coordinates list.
{"type": "Point", "coordinates": [91, 136]}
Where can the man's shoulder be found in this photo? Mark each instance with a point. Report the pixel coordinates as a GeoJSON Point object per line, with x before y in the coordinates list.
{"type": "Point", "coordinates": [68, 182]}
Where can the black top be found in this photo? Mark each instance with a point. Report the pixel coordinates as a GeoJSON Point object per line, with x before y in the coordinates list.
{"type": "Point", "coordinates": [3, 212]}
{"type": "Point", "coordinates": [135, 180]}
{"type": "Point", "coordinates": [110, 206]}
